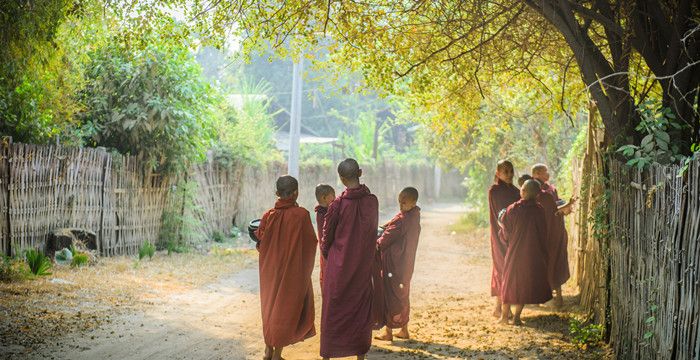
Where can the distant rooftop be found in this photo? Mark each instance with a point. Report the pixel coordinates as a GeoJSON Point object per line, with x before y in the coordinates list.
{"type": "Point", "coordinates": [282, 140]}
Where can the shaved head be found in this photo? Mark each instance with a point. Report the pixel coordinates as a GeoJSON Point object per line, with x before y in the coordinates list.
{"type": "Point", "coordinates": [538, 168]}
{"type": "Point", "coordinates": [523, 178]}
{"type": "Point", "coordinates": [530, 189]}
{"type": "Point", "coordinates": [349, 169]}
{"type": "Point", "coordinates": [323, 190]}
{"type": "Point", "coordinates": [287, 185]}
{"type": "Point", "coordinates": [410, 193]}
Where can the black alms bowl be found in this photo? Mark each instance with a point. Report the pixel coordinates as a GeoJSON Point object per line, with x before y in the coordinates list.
{"type": "Point", "coordinates": [252, 226]}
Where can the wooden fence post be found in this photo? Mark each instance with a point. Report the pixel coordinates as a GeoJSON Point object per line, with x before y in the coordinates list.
{"type": "Point", "coordinates": [5, 153]}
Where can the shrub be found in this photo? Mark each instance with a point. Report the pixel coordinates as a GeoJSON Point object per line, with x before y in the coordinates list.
{"type": "Point", "coordinates": [147, 249]}
{"type": "Point", "coordinates": [39, 263]}
{"type": "Point", "coordinates": [79, 259]}
{"type": "Point", "coordinates": [218, 236]}
{"type": "Point", "coordinates": [12, 269]}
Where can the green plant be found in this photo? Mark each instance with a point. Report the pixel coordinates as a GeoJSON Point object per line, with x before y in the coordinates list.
{"type": "Point", "coordinates": [585, 334]}
{"type": "Point", "coordinates": [12, 269]}
{"type": "Point", "coordinates": [79, 259]}
{"type": "Point", "coordinates": [181, 222]}
{"type": "Point", "coordinates": [147, 249]}
{"type": "Point", "coordinates": [39, 263]}
{"type": "Point", "coordinates": [145, 95]}
{"type": "Point", "coordinates": [658, 125]}
{"type": "Point", "coordinates": [218, 236]}
{"type": "Point", "coordinates": [235, 232]}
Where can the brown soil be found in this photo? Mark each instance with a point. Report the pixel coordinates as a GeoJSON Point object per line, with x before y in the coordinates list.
{"type": "Point", "coordinates": [181, 308]}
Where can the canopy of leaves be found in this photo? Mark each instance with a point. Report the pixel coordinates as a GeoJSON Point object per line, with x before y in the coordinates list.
{"type": "Point", "coordinates": [443, 55]}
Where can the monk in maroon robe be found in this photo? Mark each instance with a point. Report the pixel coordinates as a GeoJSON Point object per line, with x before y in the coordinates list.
{"type": "Point", "coordinates": [349, 245]}
{"type": "Point", "coordinates": [287, 251]}
{"type": "Point", "coordinates": [501, 194]}
{"type": "Point", "coordinates": [397, 246]}
{"type": "Point", "coordinates": [325, 194]}
{"type": "Point", "coordinates": [525, 266]}
{"type": "Point", "coordinates": [559, 238]}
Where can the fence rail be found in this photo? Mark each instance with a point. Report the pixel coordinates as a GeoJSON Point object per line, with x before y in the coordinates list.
{"type": "Point", "coordinates": [43, 188]}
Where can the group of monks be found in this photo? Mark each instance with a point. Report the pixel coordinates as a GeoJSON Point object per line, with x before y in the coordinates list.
{"type": "Point", "coordinates": [365, 274]}
{"type": "Point", "coordinates": [528, 241]}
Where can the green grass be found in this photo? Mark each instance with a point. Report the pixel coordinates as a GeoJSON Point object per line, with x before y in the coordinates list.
{"type": "Point", "coordinates": [147, 249]}
{"type": "Point", "coordinates": [470, 221]}
{"type": "Point", "coordinates": [39, 263]}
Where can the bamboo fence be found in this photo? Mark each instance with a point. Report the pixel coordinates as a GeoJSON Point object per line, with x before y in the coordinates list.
{"type": "Point", "coordinates": [637, 238]}
{"type": "Point", "coordinates": [43, 188]}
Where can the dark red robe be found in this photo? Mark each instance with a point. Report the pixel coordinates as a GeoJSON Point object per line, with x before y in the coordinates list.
{"type": "Point", "coordinates": [287, 253]}
{"type": "Point", "coordinates": [557, 239]}
{"type": "Point", "coordinates": [525, 266]}
{"type": "Point", "coordinates": [349, 245]}
{"type": "Point", "coordinates": [549, 188]}
{"type": "Point", "coordinates": [501, 195]}
{"type": "Point", "coordinates": [397, 246]}
{"type": "Point", "coordinates": [320, 220]}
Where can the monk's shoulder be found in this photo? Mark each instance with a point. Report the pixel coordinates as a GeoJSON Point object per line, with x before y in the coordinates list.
{"type": "Point", "coordinates": [299, 211]}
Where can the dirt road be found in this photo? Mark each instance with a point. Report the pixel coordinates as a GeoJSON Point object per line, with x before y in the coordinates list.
{"type": "Point", "coordinates": [451, 315]}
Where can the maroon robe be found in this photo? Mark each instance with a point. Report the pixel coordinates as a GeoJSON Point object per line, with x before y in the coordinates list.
{"type": "Point", "coordinates": [501, 195]}
{"type": "Point", "coordinates": [320, 220]}
{"type": "Point", "coordinates": [349, 245]}
{"type": "Point", "coordinates": [549, 188]}
{"type": "Point", "coordinates": [287, 253]}
{"type": "Point", "coordinates": [397, 246]}
{"type": "Point", "coordinates": [525, 266]}
{"type": "Point", "coordinates": [557, 254]}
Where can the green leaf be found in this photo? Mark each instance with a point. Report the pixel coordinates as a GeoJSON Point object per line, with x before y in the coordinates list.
{"type": "Point", "coordinates": [648, 335]}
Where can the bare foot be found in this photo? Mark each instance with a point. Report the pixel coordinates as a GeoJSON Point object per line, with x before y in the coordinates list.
{"type": "Point", "coordinates": [503, 320]}
{"type": "Point", "coordinates": [403, 334]}
{"type": "Point", "coordinates": [517, 322]}
{"type": "Point", "coordinates": [385, 337]}
{"type": "Point", "coordinates": [497, 312]}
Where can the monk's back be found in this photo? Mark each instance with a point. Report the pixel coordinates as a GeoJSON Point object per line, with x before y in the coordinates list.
{"type": "Point", "coordinates": [351, 231]}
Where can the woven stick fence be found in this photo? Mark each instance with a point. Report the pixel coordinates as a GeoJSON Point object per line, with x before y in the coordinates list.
{"type": "Point", "coordinates": [43, 188]}
{"type": "Point", "coordinates": [638, 242]}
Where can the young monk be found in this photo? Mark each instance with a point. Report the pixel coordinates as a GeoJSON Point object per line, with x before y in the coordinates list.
{"type": "Point", "coordinates": [525, 266]}
{"type": "Point", "coordinates": [558, 243]}
{"type": "Point", "coordinates": [325, 194]}
{"type": "Point", "coordinates": [349, 245]}
{"type": "Point", "coordinates": [287, 251]}
{"type": "Point", "coordinates": [501, 194]}
{"type": "Point", "coordinates": [397, 247]}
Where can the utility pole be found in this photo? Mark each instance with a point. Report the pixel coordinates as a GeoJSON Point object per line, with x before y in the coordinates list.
{"type": "Point", "coordinates": [295, 117]}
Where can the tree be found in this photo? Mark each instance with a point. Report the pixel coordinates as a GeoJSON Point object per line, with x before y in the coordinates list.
{"type": "Point", "coordinates": [444, 53]}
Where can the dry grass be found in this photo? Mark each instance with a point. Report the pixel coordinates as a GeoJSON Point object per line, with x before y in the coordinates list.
{"type": "Point", "coordinates": [79, 299]}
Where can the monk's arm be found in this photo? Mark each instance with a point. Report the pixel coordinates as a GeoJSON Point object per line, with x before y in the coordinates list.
{"type": "Point", "coordinates": [329, 225]}
{"type": "Point", "coordinates": [260, 232]}
{"type": "Point", "coordinates": [392, 233]}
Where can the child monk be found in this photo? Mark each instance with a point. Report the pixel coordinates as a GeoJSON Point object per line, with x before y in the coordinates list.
{"type": "Point", "coordinates": [349, 245]}
{"type": "Point", "coordinates": [287, 251]}
{"type": "Point", "coordinates": [325, 194]}
{"type": "Point", "coordinates": [501, 194]}
{"type": "Point", "coordinates": [558, 244]}
{"type": "Point", "coordinates": [525, 266]}
{"type": "Point", "coordinates": [397, 247]}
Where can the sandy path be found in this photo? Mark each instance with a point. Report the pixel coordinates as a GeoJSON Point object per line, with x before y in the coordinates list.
{"type": "Point", "coordinates": [450, 315]}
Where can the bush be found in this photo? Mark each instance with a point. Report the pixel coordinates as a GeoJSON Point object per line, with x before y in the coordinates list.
{"type": "Point", "coordinates": [12, 269]}
{"type": "Point", "coordinates": [147, 249]}
{"type": "Point", "coordinates": [218, 236]}
{"type": "Point", "coordinates": [79, 259]}
{"type": "Point", "coordinates": [39, 263]}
